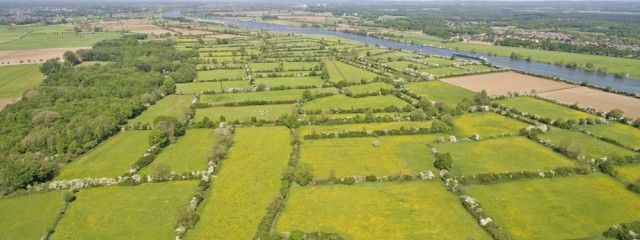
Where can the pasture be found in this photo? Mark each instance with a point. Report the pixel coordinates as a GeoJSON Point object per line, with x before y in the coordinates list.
{"type": "Point", "coordinates": [110, 212]}
{"type": "Point", "coordinates": [593, 147]}
{"type": "Point", "coordinates": [390, 210]}
{"type": "Point", "coordinates": [629, 173]}
{"type": "Point", "coordinates": [624, 134]}
{"type": "Point", "coordinates": [113, 157]}
{"type": "Point", "coordinates": [57, 38]}
{"type": "Point", "coordinates": [244, 113]}
{"type": "Point", "coordinates": [440, 91]}
{"type": "Point", "coordinates": [344, 102]}
{"type": "Point", "coordinates": [177, 106]}
{"type": "Point", "coordinates": [444, 71]}
{"type": "Point", "coordinates": [17, 79]}
{"type": "Point", "coordinates": [485, 124]}
{"type": "Point", "coordinates": [289, 81]}
{"type": "Point", "coordinates": [372, 87]}
{"type": "Point", "coordinates": [544, 109]}
{"type": "Point", "coordinates": [189, 153]}
{"type": "Point", "coordinates": [560, 208]}
{"type": "Point", "coordinates": [31, 216]}
{"type": "Point", "coordinates": [247, 181]}
{"type": "Point", "coordinates": [358, 156]}
{"type": "Point", "coordinates": [339, 71]}
{"type": "Point", "coordinates": [280, 95]}
{"type": "Point", "coordinates": [402, 65]}
{"type": "Point", "coordinates": [221, 74]}
{"type": "Point", "coordinates": [498, 156]}
{"type": "Point", "coordinates": [197, 88]}
{"type": "Point", "coordinates": [318, 129]}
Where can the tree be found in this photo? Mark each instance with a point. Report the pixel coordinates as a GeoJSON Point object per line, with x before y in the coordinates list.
{"type": "Point", "coordinates": [418, 114]}
{"type": "Point", "coordinates": [439, 127]}
{"type": "Point", "coordinates": [70, 58]}
{"type": "Point", "coordinates": [443, 161]}
{"type": "Point", "coordinates": [50, 66]}
{"type": "Point", "coordinates": [170, 86]}
{"type": "Point", "coordinates": [615, 113]}
{"type": "Point", "coordinates": [482, 98]}
{"type": "Point", "coordinates": [571, 149]}
{"type": "Point", "coordinates": [23, 172]}
{"type": "Point", "coordinates": [159, 138]}
{"type": "Point", "coordinates": [303, 174]}
{"type": "Point", "coordinates": [306, 95]}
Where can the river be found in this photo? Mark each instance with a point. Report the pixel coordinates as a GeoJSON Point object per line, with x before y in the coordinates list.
{"type": "Point", "coordinates": [574, 75]}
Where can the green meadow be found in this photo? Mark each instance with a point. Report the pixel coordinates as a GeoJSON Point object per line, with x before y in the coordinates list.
{"type": "Point", "coordinates": [19, 78]}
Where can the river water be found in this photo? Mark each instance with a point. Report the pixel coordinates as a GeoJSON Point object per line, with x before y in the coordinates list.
{"type": "Point", "coordinates": [573, 75]}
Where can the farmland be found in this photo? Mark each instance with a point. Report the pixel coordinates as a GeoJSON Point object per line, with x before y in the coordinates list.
{"type": "Point", "coordinates": [244, 113]}
{"type": "Point", "coordinates": [344, 102]}
{"type": "Point", "coordinates": [506, 82]}
{"type": "Point", "coordinates": [558, 208]}
{"type": "Point", "coordinates": [621, 133]}
{"type": "Point", "coordinates": [485, 124]}
{"type": "Point", "coordinates": [36, 214]}
{"type": "Point", "coordinates": [439, 91]}
{"type": "Point", "coordinates": [56, 37]}
{"type": "Point", "coordinates": [414, 210]}
{"type": "Point", "coordinates": [196, 88]}
{"type": "Point", "coordinates": [188, 154]}
{"type": "Point", "coordinates": [236, 205]}
{"type": "Point", "coordinates": [543, 108]}
{"type": "Point", "coordinates": [175, 106]}
{"type": "Point", "coordinates": [17, 79]}
{"type": "Point", "coordinates": [339, 71]}
{"type": "Point", "coordinates": [286, 95]}
{"type": "Point", "coordinates": [593, 147]}
{"type": "Point", "coordinates": [290, 81]}
{"type": "Point", "coordinates": [479, 157]}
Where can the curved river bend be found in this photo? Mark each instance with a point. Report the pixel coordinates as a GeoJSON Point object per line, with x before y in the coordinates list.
{"type": "Point", "coordinates": [573, 75]}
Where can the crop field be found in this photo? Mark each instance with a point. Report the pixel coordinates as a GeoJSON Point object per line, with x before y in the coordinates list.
{"type": "Point", "coordinates": [173, 105]}
{"type": "Point", "coordinates": [110, 212]}
{"type": "Point", "coordinates": [344, 102]}
{"type": "Point", "coordinates": [358, 156]}
{"type": "Point", "coordinates": [559, 208]}
{"type": "Point", "coordinates": [221, 74]}
{"type": "Point", "coordinates": [486, 124]}
{"type": "Point", "coordinates": [29, 217]}
{"type": "Point", "coordinates": [440, 91]}
{"type": "Point", "coordinates": [190, 153]}
{"type": "Point", "coordinates": [289, 81]}
{"type": "Point", "coordinates": [624, 134]}
{"type": "Point", "coordinates": [505, 82]}
{"type": "Point", "coordinates": [372, 87]}
{"type": "Point", "coordinates": [282, 95]}
{"type": "Point", "coordinates": [629, 173]}
{"type": "Point", "coordinates": [237, 204]}
{"type": "Point", "coordinates": [196, 88]}
{"type": "Point", "coordinates": [599, 100]}
{"type": "Point", "coordinates": [485, 157]}
{"type": "Point", "coordinates": [593, 147]}
{"type": "Point", "coordinates": [318, 129]}
{"type": "Point", "coordinates": [544, 109]}
{"type": "Point", "coordinates": [411, 210]}
{"type": "Point", "coordinates": [17, 79]}
{"type": "Point", "coordinates": [64, 38]}
{"type": "Point", "coordinates": [444, 71]}
{"type": "Point", "coordinates": [32, 56]}
{"type": "Point", "coordinates": [339, 71]}
{"type": "Point", "coordinates": [112, 158]}
{"type": "Point", "coordinates": [244, 113]}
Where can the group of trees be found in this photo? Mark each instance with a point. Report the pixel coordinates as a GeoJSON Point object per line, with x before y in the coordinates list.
{"type": "Point", "coordinates": [75, 108]}
{"type": "Point", "coordinates": [568, 47]}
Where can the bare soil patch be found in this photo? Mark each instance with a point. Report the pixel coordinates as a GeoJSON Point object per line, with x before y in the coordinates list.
{"type": "Point", "coordinates": [225, 36]}
{"type": "Point", "coordinates": [6, 101]}
{"type": "Point", "coordinates": [126, 25]}
{"type": "Point", "coordinates": [190, 31]}
{"type": "Point", "coordinates": [153, 31]}
{"type": "Point", "coordinates": [600, 100]}
{"type": "Point", "coordinates": [505, 82]}
{"type": "Point", "coordinates": [33, 56]}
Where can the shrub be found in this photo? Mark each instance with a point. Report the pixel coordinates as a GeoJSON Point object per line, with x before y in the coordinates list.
{"type": "Point", "coordinates": [187, 217]}
{"type": "Point", "coordinates": [623, 231]}
{"type": "Point", "coordinates": [371, 178]}
{"type": "Point", "coordinates": [303, 175]}
{"type": "Point", "coordinates": [615, 113]}
{"type": "Point", "coordinates": [571, 149]}
{"type": "Point", "coordinates": [159, 138]}
{"type": "Point", "coordinates": [443, 161]}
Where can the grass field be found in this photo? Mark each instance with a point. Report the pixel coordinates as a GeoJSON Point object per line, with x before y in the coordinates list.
{"type": "Point", "coordinates": [358, 156]}
{"type": "Point", "coordinates": [440, 61]}
{"type": "Point", "coordinates": [289, 81]}
{"type": "Point", "coordinates": [29, 217]}
{"type": "Point", "coordinates": [402, 65]}
{"type": "Point", "coordinates": [173, 105]}
{"type": "Point", "coordinates": [263, 66]}
{"type": "Point", "coordinates": [310, 129]}
{"type": "Point", "coordinates": [221, 74]}
{"type": "Point", "coordinates": [344, 102]}
{"type": "Point", "coordinates": [372, 87]}
{"type": "Point", "coordinates": [543, 108]}
{"type": "Point", "coordinates": [196, 88]}
{"type": "Point", "coordinates": [19, 78]}
{"type": "Point", "coordinates": [501, 155]}
{"type": "Point", "coordinates": [339, 71]}
{"type": "Point", "coordinates": [613, 64]}
{"type": "Point", "coordinates": [261, 96]}
{"type": "Point", "coordinates": [440, 91]}
{"type": "Point", "coordinates": [49, 39]}
{"type": "Point", "coordinates": [561, 208]}
{"type": "Point", "coordinates": [112, 158]}
{"type": "Point", "coordinates": [629, 173]}
{"type": "Point", "coordinates": [442, 71]}
{"type": "Point", "coordinates": [486, 124]}
{"type": "Point", "coordinates": [625, 134]}
{"type": "Point", "coordinates": [189, 154]}
{"type": "Point", "coordinates": [265, 112]}
{"type": "Point", "coordinates": [593, 147]}
{"type": "Point", "coordinates": [246, 184]}
{"type": "Point", "coordinates": [111, 212]}
{"type": "Point", "coordinates": [408, 210]}
{"type": "Point", "coordinates": [478, 68]}
{"type": "Point", "coordinates": [394, 55]}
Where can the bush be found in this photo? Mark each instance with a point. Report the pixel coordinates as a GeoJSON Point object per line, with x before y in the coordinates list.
{"type": "Point", "coordinates": [159, 138]}
{"type": "Point", "coordinates": [187, 217]}
{"type": "Point", "coordinates": [371, 178]}
{"type": "Point", "coordinates": [623, 231]}
{"type": "Point", "coordinates": [615, 113]}
{"type": "Point", "coordinates": [303, 175]}
{"type": "Point", "coordinates": [443, 161]}
{"type": "Point", "coordinates": [571, 149]}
